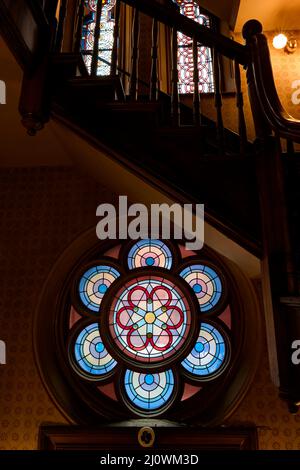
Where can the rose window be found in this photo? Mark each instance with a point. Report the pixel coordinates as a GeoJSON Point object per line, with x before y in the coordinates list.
{"type": "Point", "coordinates": [150, 326]}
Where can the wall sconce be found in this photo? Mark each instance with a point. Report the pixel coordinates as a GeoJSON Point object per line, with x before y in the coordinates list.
{"type": "Point", "coordinates": [281, 41]}
{"type": "Point", "coordinates": [291, 46]}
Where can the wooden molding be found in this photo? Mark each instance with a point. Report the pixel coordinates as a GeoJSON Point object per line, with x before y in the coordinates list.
{"type": "Point", "coordinates": [125, 437]}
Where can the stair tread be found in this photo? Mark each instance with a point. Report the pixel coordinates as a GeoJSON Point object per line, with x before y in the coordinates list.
{"type": "Point", "coordinates": [132, 106]}
{"type": "Point", "coordinates": [182, 129]}
{"type": "Point", "coordinates": [93, 81]}
{"type": "Point", "coordinates": [65, 56]}
{"type": "Point", "coordinates": [69, 61]}
{"type": "Point", "coordinates": [104, 88]}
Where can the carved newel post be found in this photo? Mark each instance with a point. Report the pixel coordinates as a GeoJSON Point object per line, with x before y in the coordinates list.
{"type": "Point", "coordinates": [281, 298]}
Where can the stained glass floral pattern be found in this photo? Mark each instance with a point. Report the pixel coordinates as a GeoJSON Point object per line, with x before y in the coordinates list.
{"type": "Point", "coordinates": [147, 327]}
{"type": "Point", "coordinates": [191, 9]}
{"type": "Point", "coordinates": [150, 319]}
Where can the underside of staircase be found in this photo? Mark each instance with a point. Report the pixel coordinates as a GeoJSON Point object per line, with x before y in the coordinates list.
{"type": "Point", "coordinates": [184, 158]}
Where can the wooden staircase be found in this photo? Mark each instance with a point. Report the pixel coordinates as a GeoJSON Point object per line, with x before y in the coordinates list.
{"type": "Point", "coordinates": [250, 191]}
{"type": "Point", "coordinates": [184, 157]}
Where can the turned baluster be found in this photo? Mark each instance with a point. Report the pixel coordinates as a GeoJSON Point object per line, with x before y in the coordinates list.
{"type": "Point", "coordinates": [115, 51]}
{"type": "Point", "coordinates": [133, 85]}
{"type": "Point", "coordinates": [218, 103]}
{"type": "Point", "coordinates": [95, 56]}
{"type": "Point", "coordinates": [154, 84]}
{"type": "Point", "coordinates": [79, 24]}
{"type": "Point", "coordinates": [290, 147]}
{"type": "Point", "coordinates": [240, 105]}
{"type": "Point", "coordinates": [175, 113]}
{"type": "Point", "coordinates": [196, 97]}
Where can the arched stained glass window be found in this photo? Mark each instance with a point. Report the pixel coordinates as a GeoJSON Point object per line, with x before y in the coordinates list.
{"type": "Point", "coordinates": [106, 38]}
{"type": "Point", "coordinates": [144, 339]}
{"type": "Point", "coordinates": [191, 9]}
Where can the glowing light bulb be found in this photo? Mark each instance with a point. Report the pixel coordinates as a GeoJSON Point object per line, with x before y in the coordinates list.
{"type": "Point", "coordinates": [279, 41]}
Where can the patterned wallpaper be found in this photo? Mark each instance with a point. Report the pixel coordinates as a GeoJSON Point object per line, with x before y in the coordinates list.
{"type": "Point", "coordinates": [41, 211]}
{"type": "Point", "coordinates": [277, 428]}
{"type": "Point", "coordinates": [286, 69]}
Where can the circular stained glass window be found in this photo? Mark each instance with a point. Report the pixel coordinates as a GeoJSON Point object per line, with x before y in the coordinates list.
{"type": "Point", "coordinates": [206, 284]}
{"type": "Point", "coordinates": [94, 284]}
{"type": "Point", "coordinates": [150, 253]}
{"type": "Point", "coordinates": [149, 392]}
{"type": "Point", "coordinates": [155, 336]}
{"type": "Point", "coordinates": [90, 354]}
{"type": "Point", "coordinates": [210, 354]}
{"type": "Point", "coordinates": [150, 321]}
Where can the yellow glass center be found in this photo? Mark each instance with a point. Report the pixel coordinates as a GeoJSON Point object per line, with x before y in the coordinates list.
{"type": "Point", "coordinates": [150, 317]}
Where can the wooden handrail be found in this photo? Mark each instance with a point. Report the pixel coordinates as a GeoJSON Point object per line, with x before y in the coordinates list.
{"type": "Point", "coordinates": [187, 26]}
{"type": "Point", "coordinates": [267, 98]}
{"type": "Point", "coordinates": [133, 85]}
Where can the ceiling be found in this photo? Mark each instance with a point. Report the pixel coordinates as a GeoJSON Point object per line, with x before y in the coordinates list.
{"type": "Point", "coordinates": [273, 14]}
{"type": "Point", "coordinates": [226, 10]}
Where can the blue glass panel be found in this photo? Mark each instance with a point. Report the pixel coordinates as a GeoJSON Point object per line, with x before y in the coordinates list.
{"type": "Point", "coordinates": [150, 253]}
{"type": "Point", "coordinates": [91, 354]}
{"type": "Point", "coordinates": [206, 284]}
{"type": "Point", "coordinates": [94, 284]}
{"type": "Point", "coordinates": [149, 392]}
{"type": "Point", "coordinates": [209, 353]}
